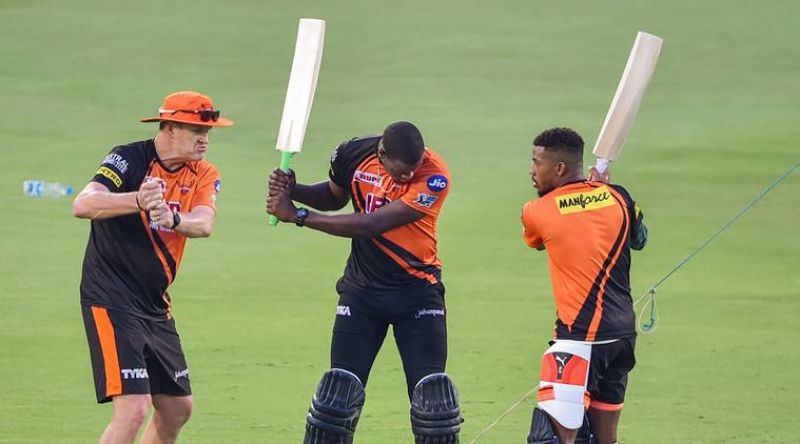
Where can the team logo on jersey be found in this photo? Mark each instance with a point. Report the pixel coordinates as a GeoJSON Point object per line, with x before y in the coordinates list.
{"type": "Point", "coordinates": [185, 187]}
{"type": "Point", "coordinates": [585, 201]}
{"type": "Point", "coordinates": [216, 186]}
{"type": "Point", "coordinates": [109, 174]}
{"type": "Point", "coordinates": [116, 161]}
{"type": "Point", "coordinates": [374, 202]}
{"type": "Point", "coordinates": [425, 200]}
{"type": "Point", "coordinates": [365, 177]}
{"type": "Point", "coordinates": [437, 183]}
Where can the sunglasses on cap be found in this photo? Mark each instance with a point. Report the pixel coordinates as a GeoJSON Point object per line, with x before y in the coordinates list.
{"type": "Point", "coordinates": [205, 114]}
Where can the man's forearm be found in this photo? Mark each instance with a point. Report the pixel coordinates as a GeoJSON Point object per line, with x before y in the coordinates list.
{"type": "Point", "coordinates": [195, 225]}
{"type": "Point", "coordinates": [317, 196]}
{"type": "Point", "coordinates": [363, 225]}
{"type": "Point", "coordinates": [104, 205]}
{"type": "Point", "coordinates": [344, 225]}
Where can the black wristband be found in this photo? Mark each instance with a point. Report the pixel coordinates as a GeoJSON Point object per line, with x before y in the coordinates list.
{"type": "Point", "coordinates": [176, 219]}
{"type": "Point", "coordinates": [300, 216]}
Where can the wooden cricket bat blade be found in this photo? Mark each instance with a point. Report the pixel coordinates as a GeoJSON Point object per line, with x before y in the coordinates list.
{"type": "Point", "coordinates": [302, 85]}
{"type": "Point", "coordinates": [631, 90]}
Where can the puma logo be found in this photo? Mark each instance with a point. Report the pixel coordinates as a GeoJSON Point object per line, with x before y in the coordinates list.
{"type": "Point", "coordinates": [561, 362]}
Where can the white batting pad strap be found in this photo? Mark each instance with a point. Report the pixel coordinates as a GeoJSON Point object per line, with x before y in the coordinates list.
{"type": "Point", "coordinates": [566, 392]}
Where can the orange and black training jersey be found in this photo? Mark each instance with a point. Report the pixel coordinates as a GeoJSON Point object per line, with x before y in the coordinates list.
{"type": "Point", "coordinates": [130, 260]}
{"type": "Point", "coordinates": [404, 256]}
{"type": "Point", "coordinates": [588, 230]}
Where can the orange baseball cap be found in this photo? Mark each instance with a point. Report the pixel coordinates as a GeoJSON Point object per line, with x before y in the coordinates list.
{"type": "Point", "coordinates": [189, 107]}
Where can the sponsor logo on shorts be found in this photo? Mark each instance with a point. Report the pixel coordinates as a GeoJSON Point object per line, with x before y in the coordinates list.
{"type": "Point", "coordinates": [577, 202]}
{"type": "Point", "coordinates": [425, 200]}
{"type": "Point", "coordinates": [365, 177]}
{"type": "Point", "coordinates": [181, 373]}
{"type": "Point", "coordinates": [109, 174]}
{"type": "Point", "coordinates": [429, 312]}
{"type": "Point", "coordinates": [343, 310]}
{"type": "Point", "coordinates": [437, 183]}
{"type": "Point", "coordinates": [217, 186]}
{"type": "Point", "coordinates": [134, 373]}
{"type": "Point", "coordinates": [116, 161]}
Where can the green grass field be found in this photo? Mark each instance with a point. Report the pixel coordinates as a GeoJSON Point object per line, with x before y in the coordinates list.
{"type": "Point", "coordinates": [255, 304]}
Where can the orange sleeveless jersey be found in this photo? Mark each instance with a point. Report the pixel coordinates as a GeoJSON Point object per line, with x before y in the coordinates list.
{"type": "Point", "coordinates": [586, 228]}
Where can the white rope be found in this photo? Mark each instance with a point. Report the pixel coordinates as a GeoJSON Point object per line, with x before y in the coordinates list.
{"type": "Point", "coordinates": [503, 415]}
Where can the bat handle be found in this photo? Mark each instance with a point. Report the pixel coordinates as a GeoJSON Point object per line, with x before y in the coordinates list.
{"type": "Point", "coordinates": [601, 166]}
{"type": "Point", "coordinates": [286, 163]}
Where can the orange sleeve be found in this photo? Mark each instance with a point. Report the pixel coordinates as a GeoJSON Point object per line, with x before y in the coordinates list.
{"type": "Point", "coordinates": [427, 191]}
{"type": "Point", "coordinates": [207, 188]}
{"type": "Point", "coordinates": [530, 232]}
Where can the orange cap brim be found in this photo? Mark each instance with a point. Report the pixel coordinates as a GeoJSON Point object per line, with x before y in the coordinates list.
{"type": "Point", "coordinates": [195, 121]}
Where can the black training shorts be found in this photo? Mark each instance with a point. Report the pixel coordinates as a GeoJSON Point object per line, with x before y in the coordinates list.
{"type": "Point", "coordinates": [608, 373]}
{"type": "Point", "coordinates": [133, 355]}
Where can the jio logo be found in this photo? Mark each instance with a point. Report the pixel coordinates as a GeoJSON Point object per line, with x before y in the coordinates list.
{"type": "Point", "coordinates": [437, 183]}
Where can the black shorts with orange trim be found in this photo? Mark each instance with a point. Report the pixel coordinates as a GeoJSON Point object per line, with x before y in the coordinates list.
{"type": "Point", "coordinates": [608, 373]}
{"type": "Point", "coordinates": [132, 355]}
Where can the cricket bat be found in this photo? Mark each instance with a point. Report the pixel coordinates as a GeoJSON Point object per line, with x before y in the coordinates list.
{"type": "Point", "coordinates": [630, 91]}
{"type": "Point", "coordinates": [300, 92]}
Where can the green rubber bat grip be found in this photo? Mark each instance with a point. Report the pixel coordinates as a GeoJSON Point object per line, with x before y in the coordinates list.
{"type": "Point", "coordinates": [286, 163]}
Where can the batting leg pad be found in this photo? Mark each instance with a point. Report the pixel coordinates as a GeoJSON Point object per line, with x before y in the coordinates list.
{"type": "Point", "coordinates": [435, 412]}
{"type": "Point", "coordinates": [542, 431]}
{"type": "Point", "coordinates": [335, 408]}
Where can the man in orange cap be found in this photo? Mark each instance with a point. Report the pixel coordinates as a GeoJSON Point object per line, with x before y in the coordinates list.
{"type": "Point", "coordinates": [144, 201]}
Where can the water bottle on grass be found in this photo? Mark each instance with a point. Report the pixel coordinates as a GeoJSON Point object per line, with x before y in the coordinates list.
{"type": "Point", "coordinates": [40, 188]}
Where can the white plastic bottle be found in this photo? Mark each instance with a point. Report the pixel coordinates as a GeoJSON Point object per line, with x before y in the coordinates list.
{"type": "Point", "coordinates": [39, 188]}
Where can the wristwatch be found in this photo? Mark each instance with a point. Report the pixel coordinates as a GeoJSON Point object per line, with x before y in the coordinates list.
{"type": "Point", "coordinates": [300, 216]}
{"type": "Point", "coordinates": [176, 219]}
